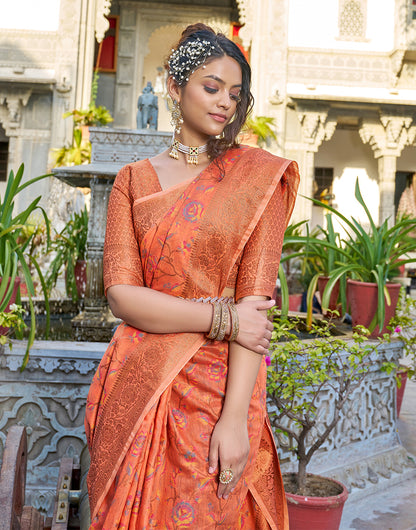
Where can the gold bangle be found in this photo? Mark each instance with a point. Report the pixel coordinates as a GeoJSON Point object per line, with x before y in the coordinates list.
{"type": "Point", "coordinates": [235, 325]}
{"type": "Point", "coordinates": [225, 319]}
{"type": "Point", "coordinates": [216, 320]}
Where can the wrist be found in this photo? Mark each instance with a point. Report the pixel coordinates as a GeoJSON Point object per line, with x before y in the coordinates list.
{"type": "Point", "coordinates": [236, 413]}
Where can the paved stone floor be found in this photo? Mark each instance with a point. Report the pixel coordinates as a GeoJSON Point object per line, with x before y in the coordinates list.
{"type": "Point", "coordinates": [395, 507]}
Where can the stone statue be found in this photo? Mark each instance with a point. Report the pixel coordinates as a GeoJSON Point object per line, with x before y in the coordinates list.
{"type": "Point", "coordinates": [147, 108]}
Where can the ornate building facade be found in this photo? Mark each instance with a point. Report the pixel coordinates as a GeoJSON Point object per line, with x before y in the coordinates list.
{"type": "Point", "coordinates": [338, 76]}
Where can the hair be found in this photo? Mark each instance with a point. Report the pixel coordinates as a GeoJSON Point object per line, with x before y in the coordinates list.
{"type": "Point", "coordinates": [222, 46]}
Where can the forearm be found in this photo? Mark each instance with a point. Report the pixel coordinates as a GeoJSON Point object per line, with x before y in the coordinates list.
{"type": "Point", "coordinates": [243, 367]}
{"type": "Point", "coordinates": [156, 312]}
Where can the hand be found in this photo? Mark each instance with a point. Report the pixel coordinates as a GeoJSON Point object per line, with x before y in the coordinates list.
{"type": "Point", "coordinates": [229, 449]}
{"type": "Point", "coordinates": [255, 329]}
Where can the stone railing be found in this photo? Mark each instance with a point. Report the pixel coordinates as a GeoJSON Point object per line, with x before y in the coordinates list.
{"type": "Point", "coordinates": [48, 397]}
{"type": "Point", "coordinates": [363, 451]}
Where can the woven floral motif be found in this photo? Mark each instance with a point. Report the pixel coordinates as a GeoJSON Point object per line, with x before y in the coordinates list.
{"type": "Point", "coordinates": [155, 399]}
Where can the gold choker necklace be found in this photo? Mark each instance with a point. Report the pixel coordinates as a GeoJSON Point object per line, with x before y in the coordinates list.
{"type": "Point", "coordinates": [191, 152]}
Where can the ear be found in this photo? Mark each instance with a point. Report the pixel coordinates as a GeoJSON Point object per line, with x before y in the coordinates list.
{"type": "Point", "coordinates": [174, 90]}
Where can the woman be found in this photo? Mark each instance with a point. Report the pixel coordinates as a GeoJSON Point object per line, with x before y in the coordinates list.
{"type": "Point", "coordinates": [176, 419]}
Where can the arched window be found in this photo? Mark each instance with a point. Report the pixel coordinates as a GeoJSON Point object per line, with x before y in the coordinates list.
{"type": "Point", "coordinates": [352, 19]}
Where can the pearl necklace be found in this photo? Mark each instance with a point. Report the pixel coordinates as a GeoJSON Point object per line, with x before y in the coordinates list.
{"type": "Point", "coordinates": [191, 152]}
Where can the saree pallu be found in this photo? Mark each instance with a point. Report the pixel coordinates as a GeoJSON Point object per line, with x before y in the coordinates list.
{"type": "Point", "coordinates": [156, 398]}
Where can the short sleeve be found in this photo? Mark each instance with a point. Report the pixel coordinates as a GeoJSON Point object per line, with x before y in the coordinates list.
{"type": "Point", "coordinates": [259, 265]}
{"type": "Point", "coordinates": [122, 264]}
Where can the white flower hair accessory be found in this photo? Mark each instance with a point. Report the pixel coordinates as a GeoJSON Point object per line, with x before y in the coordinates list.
{"type": "Point", "coordinates": [187, 58]}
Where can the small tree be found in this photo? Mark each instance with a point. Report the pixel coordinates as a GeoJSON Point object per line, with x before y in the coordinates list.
{"type": "Point", "coordinates": [300, 370]}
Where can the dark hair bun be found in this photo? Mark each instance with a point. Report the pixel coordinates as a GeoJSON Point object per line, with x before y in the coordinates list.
{"type": "Point", "coordinates": [194, 28]}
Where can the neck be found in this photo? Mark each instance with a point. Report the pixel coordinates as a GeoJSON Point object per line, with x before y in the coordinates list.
{"type": "Point", "coordinates": [194, 154]}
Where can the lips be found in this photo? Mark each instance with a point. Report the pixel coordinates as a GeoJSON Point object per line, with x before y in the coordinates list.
{"type": "Point", "coordinates": [221, 118]}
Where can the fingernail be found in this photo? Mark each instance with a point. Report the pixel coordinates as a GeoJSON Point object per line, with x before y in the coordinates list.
{"type": "Point", "coordinates": [225, 497]}
{"type": "Point", "coordinates": [211, 470]}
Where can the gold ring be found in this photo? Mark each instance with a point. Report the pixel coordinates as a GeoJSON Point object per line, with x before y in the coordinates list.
{"type": "Point", "coordinates": [226, 476]}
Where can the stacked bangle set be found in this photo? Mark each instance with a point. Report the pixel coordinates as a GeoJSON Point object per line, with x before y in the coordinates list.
{"type": "Point", "coordinates": [224, 314]}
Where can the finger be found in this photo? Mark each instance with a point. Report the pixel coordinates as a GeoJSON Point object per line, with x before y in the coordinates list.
{"type": "Point", "coordinates": [262, 305]}
{"type": "Point", "coordinates": [213, 457]}
{"type": "Point", "coordinates": [229, 488]}
{"type": "Point", "coordinates": [224, 489]}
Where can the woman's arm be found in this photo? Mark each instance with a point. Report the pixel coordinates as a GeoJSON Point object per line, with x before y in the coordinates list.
{"type": "Point", "coordinates": [230, 445]}
{"type": "Point", "coordinates": [156, 312]}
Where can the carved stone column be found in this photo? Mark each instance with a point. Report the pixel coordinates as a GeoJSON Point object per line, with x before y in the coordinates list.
{"type": "Point", "coordinates": [126, 66]}
{"type": "Point", "coordinates": [316, 127]}
{"type": "Point", "coordinates": [387, 184]}
{"type": "Point", "coordinates": [95, 323]}
{"type": "Point", "coordinates": [387, 137]}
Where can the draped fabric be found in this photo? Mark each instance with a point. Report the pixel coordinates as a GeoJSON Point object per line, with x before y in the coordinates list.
{"type": "Point", "coordinates": [155, 398]}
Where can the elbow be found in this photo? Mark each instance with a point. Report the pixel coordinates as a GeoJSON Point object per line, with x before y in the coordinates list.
{"type": "Point", "coordinates": [114, 302]}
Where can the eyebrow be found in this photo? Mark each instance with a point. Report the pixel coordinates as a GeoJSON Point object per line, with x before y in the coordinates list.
{"type": "Point", "coordinates": [216, 78]}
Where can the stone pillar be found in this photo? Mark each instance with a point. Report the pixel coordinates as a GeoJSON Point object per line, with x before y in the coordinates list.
{"type": "Point", "coordinates": [126, 66]}
{"type": "Point", "coordinates": [317, 126]}
{"type": "Point", "coordinates": [95, 323]}
{"type": "Point", "coordinates": [387, 137]}
{"type": "Point", "coordinates": [262, 21]}
{"type": "Point", "coordinates": [387, 184]}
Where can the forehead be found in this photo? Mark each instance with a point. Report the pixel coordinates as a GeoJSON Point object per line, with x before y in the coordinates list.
{"type": "Point", "coordinates": [225, 68]}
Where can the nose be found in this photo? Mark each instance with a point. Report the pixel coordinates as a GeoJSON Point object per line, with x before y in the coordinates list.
{"type": "Point", "coordinates": [224, 100]}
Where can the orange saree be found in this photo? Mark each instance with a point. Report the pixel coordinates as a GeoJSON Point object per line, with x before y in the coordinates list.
{"type": "Point", "coordinates": [155, 398]}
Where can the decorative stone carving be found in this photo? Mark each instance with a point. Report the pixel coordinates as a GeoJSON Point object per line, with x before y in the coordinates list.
{"type": "Point", "coordinates": [316, 126]}
{"type": "Point", "coordinates": [330, 68]}
{"type": "Point", "coordinates": [396, 58]}
{"type": "Point", "coordinates": [247, 18]}
{"type": "Point", "coordinates": [48, 398]}
{"type": "Point", "coordinates": [352, 21]}
{"type": "Point", "coordinates": [101, 22]}
{"type": "Point", "coordinates": [111, 149]}
{"type": "Point", "coordinates": [15, 99]}
{"type": "Point", "coordinates": [390, 135]}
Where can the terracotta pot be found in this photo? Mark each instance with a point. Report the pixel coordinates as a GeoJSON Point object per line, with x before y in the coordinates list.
{"type": "Point", "coordinates": [295, 301]}
{"type": "Point", "coordinates": [17, 281]}
{"type": "Point", "coordinates": [316, 513]}
{"type": "Point", "coordinates": [81, 277]}
{"type": "Point", "coordinates": [333, 299]}
{"type": "Point", "coordinates": [402, 376]}
{"type": "Point", "coordinates": [362, 299]}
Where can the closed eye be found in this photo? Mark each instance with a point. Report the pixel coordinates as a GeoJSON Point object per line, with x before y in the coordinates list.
{"type": "Point", "coordinates": [210, 90]}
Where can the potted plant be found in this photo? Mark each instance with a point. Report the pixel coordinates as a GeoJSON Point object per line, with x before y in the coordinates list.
{"type": "Point", "coordinates": [70, 247]}
{"type": "Point", "coordinates": [290, 269]}
{"type": "Point", "coordinates": [79, 151]}
{"type": "Point", "coordinates": [299, 372]}
{"type": "Point", "coordinates": [258, 130]}
{"type": "Point", "coordinates": [372, 259]}
{"type": "Point", "coordinates": [14, 245]}
{"type": "Point", "coordinates": [403, 326]}
{"type": "Point", "coordinates": [11, 319]}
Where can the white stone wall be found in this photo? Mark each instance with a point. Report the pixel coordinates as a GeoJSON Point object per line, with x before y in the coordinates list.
{"type": "Point", "coordinates": [315, 25]}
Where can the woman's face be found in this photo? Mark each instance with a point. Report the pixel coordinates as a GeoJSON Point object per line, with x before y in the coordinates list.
{"type": "Point", "coordinates": [209, 99]}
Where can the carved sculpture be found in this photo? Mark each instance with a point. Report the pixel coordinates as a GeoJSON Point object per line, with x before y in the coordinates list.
{"type": "Point", "coordinates": [147, 108]}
